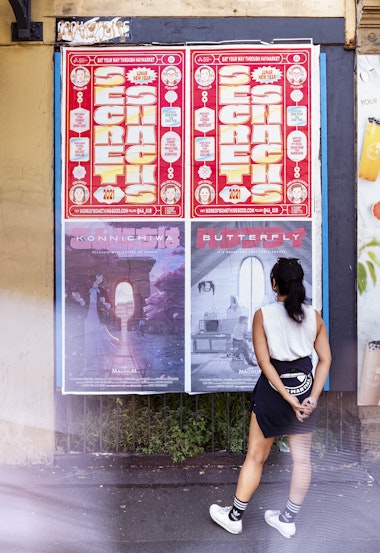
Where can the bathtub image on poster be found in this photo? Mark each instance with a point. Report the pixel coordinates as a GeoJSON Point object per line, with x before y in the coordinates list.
{"type": "Point", "coordinates": [123, 314]}
{"type": "Point", "coordinates": [230, 280]}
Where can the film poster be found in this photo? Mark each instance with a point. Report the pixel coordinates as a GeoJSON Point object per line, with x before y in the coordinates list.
{"type": "Point", "coordinates": [124, 307]}
{"type": "Point", "coordinates": [230, 268]}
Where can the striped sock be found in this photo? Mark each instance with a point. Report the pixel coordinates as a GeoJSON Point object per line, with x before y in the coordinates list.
{"type": "Point", "coordinates": [290, 512]}
{"type": "Point", "coordinates": [237, 510]}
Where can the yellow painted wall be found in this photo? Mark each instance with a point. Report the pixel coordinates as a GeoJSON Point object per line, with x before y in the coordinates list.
{"type": "Point", "coordinates": [26, 254]}
{"type": "Point", "coordinates": [26, 204]}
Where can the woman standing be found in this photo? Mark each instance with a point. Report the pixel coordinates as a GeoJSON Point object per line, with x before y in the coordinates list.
{"type": "Point", "coordinates": [285, 398]}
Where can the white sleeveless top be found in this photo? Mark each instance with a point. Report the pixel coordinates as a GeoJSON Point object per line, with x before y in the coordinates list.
{"type": "Point", "coordinates": [288, 340]}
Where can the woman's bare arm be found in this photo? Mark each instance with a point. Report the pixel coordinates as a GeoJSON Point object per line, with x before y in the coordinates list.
{"type": "Point", "coordinates": [260, 345]}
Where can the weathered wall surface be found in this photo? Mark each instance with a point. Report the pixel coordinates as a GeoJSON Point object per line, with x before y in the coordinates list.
{"type": "Point", "coordinates": [26, 254]}
{"type": "Point", "coordinates": [204, 8]}
{"type": "Point", "coordinates": [369, 436]}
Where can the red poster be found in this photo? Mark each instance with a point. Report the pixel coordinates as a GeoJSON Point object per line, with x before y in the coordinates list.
{"type": "Point", "coordinates": [251, 132]}
{"type": "Point", "coordinates": [123, 115]}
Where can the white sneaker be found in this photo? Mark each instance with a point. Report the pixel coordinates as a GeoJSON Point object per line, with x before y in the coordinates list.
{"type": "Point", "coordinates": [287, 529]}
{"type": "Point", "coordinates": [220, 516]}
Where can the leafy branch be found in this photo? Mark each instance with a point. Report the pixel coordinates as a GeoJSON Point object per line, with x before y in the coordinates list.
{"type": "Point", "coordinates": [367, 267]}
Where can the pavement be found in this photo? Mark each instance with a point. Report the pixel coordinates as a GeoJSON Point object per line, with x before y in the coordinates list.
{"type": "Point", "coordinates": [148, 504]}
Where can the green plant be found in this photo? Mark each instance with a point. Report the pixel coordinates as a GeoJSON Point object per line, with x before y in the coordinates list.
{"type": "Point", "coordinates": [180, 425]}
{"type": "Point", "coordinates": [232, 421]}
{"type": "Point", "coordinates": [368, 263]}
{"type": "Point", "coordinates": [188, 441]}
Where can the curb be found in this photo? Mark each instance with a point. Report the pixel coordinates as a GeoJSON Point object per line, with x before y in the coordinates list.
{"type": "Point", "coordinates": [135, 470]}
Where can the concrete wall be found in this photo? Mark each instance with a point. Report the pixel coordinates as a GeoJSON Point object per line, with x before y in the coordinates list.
{"type": "Point", "coordinates": [369, 434]}
{"type": "Point", "coordinates": [26, 203]}
{"type": "Point", "coordinates": [26, 254]}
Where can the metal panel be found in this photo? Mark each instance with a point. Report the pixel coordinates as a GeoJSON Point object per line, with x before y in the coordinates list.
{"type": "Point", "coordinates": [99, 424]}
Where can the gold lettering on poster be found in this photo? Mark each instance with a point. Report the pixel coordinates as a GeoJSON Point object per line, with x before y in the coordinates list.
{"type": "Point", "coordinates": [251, 128]}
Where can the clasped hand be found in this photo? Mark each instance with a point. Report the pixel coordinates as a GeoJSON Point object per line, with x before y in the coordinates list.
{"type": "Point", "coordinates": [302, 410]}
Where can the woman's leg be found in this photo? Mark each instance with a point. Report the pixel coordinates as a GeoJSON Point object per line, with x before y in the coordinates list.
{"type": "Point", "coordinates": [258, 451]}
{"type": "Point", "coordinates": [229, 518]}
{"type": "Point", "coordinates": [300, 447]}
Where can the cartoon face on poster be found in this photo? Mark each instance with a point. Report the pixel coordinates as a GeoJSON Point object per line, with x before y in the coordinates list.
{"type": "Point", "coordinates": [123, 131]}
{"type": "Point", "coordinates": [124, 307]}
{"type": "Point", "coordinates": [230, 268]}
{"type": "Point", "coordinates": [251, 132]}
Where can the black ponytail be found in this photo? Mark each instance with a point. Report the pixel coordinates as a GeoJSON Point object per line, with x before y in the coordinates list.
{"type": "Point", "coordinates": [288, 274]}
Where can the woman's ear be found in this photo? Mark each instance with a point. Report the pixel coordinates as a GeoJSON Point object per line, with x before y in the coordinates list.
{"type": "Point", "coordinates": [274, 285]}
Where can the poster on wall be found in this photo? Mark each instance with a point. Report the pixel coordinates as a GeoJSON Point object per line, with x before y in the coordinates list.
{"type": "Point", "coordinates": [185, 172]}
{"type": "Point", "coordinates": [123, 291]}
{"type": "Point", "coordinates": [230, 268]}
{"type": "Point", "coordinates": [123, 132]}
{"type": "Point", "coordinates": [368, 228]}
{"type": "Point", "coordinates": [251, 129]}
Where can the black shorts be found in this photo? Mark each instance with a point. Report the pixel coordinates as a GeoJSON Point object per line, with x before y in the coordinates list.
{"type": "Point", "coordinates": [274, 415]}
